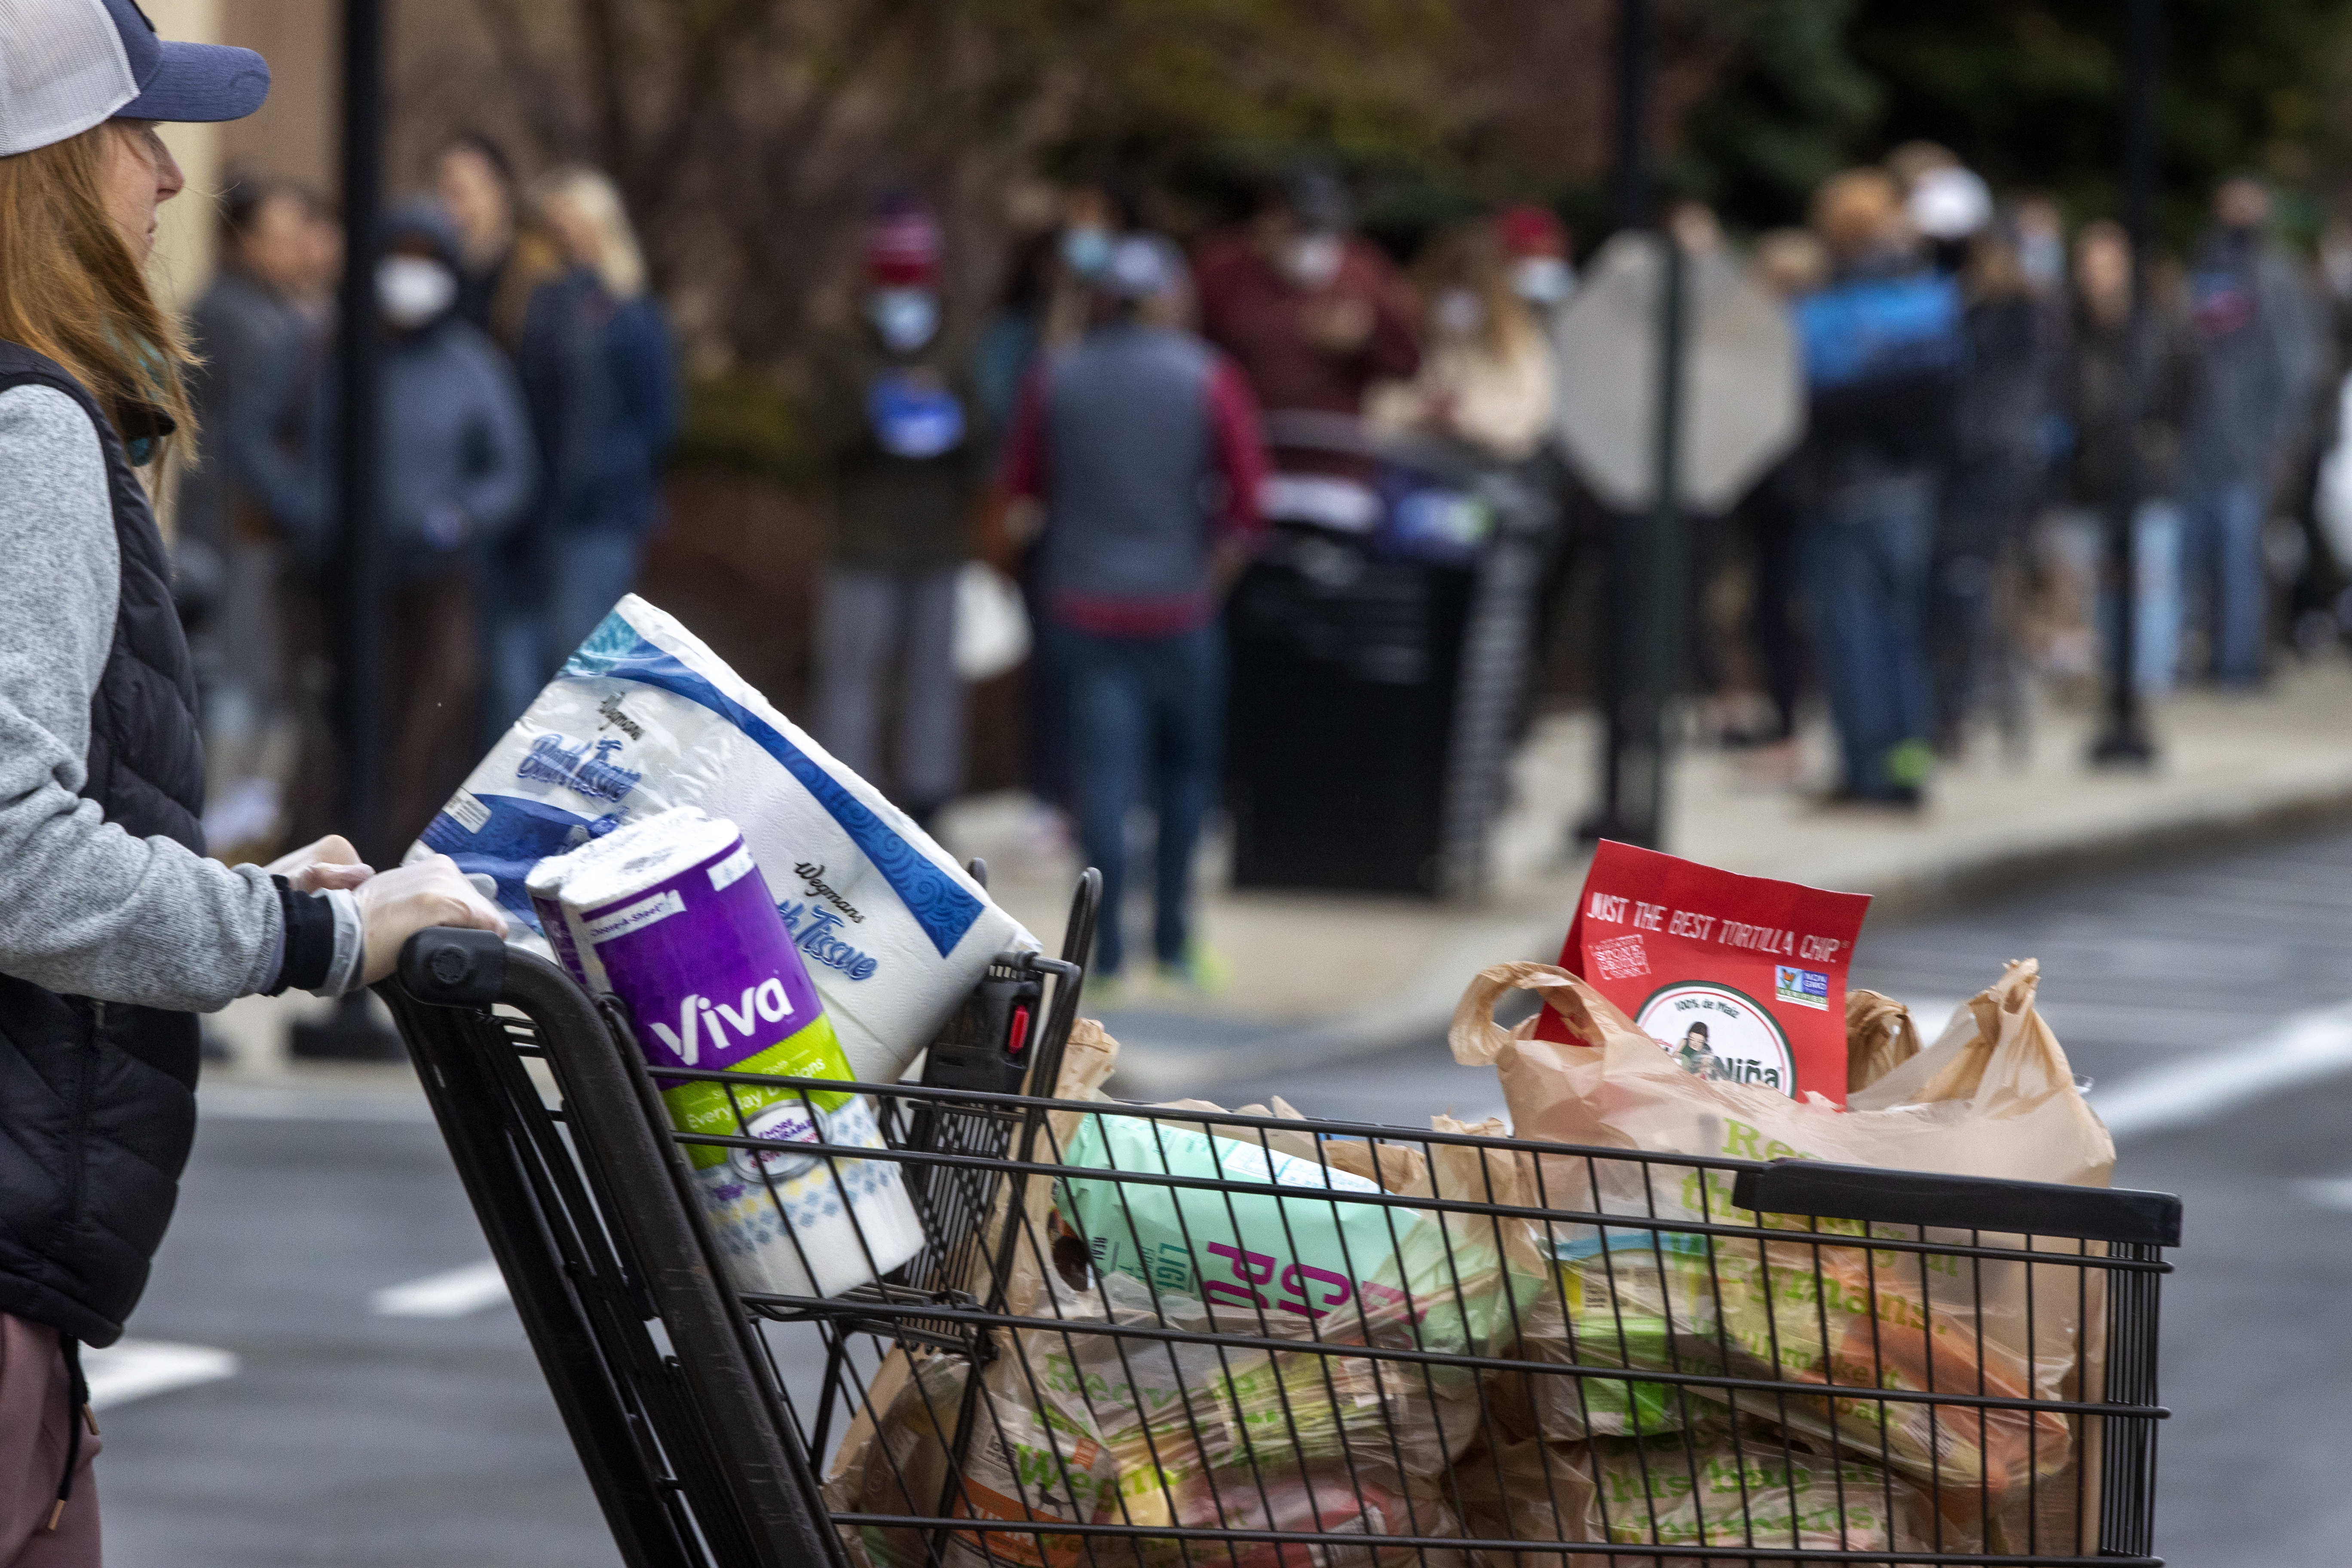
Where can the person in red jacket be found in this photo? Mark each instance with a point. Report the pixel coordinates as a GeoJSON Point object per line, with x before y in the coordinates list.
{"type": "Point", "coordinates": [1314, 315]}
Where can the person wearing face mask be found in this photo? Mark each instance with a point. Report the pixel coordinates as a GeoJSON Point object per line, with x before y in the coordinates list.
{"type": "Point", "coordinates": [1538, 249]}
{"type": "Point", "coordinates": [457, 476]}
{"type": "Point", "coordinates": [1885, 352]}
{"type": "Point", "coordinates": [895, 418]}
{"type": "Point", "coordinates": [1485, 378]}
{"type": "Point", "coordinates": [2258, 339]}
{"type": "Point", "coordinates": [1046, 290]}
{"type": "Point", "coordinates": [1315, 316]}
{"type": "Point", "coordinates": [115, 929]}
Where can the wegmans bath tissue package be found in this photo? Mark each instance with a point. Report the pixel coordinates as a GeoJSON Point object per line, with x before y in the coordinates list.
{"type": "Point", "coordinates": [644, 718]}
{"type": "Point", "coordinates": [672, 916]}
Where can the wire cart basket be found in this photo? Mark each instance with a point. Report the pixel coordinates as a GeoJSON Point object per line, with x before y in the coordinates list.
{"type": "Point", "coordinates": [1140, 1336]}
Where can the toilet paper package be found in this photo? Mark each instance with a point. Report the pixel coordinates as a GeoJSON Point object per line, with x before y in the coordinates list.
{"type": "Point", "coordinates": [644, 718]}
{"type": "Point", "coordinates": [672, 916]}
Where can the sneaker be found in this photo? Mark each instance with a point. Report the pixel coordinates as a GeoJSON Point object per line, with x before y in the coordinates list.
{"type": "Point", "coordinates": [1201, 971]}
{"type": "Point", "coordinates": [1909, 763]}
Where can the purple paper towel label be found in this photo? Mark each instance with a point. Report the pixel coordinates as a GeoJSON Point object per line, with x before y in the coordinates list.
{"type": "Point", "coordinates": [705, 965]}
{"type": "Point", "coordinates": [711, 978]}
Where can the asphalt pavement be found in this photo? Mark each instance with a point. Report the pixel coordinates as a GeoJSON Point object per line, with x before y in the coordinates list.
{"type": "Point", "coordinates": [365, 1397]}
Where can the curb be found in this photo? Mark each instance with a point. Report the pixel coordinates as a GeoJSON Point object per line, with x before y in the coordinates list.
{"type": "Point", "coordinates": [2026, 868]}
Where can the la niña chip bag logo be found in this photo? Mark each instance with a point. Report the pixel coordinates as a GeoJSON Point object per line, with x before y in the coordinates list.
{"type": "Point", "coordinates": [1739, 979]}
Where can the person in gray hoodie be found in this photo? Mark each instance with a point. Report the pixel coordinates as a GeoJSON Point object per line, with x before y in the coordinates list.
{"type": "Point", "coordinates": [115, 929]}
{"type": "Point", "coordinates": [459, 472]}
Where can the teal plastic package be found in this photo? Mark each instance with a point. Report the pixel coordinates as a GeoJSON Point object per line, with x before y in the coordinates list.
{"type": "Point", "coordinates": [1346, 1266]}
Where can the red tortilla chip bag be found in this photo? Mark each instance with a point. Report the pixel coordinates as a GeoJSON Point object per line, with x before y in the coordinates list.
{"type": "Point", "coordinates": [1740, 979]}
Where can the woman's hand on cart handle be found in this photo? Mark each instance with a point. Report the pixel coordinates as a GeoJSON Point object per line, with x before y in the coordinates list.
{"type": "Point", "coordinates": [332, 862]}
{"type": "Point", "coordinates": [397, 905]}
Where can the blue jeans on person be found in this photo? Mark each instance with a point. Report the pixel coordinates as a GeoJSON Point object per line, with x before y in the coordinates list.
{"type": "Point", "coordinates": [2221, 544]}
{"type": "Point", "coordinates": [514, 658]}
{"type": "Point", "coordinates": [525, 642]}
{"type": "Point", "coordinates": [1146, 714]}
{"type": "Point", "coordinates": [2156, 598]}
{"type": "Point", "coordinates": [1866, 558]}
{"type": "Point", "coordinates": [593, 567]}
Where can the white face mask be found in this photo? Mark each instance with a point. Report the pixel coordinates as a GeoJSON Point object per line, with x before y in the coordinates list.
{"type": "Point", "coordinates": [1313, 260]}
{"type": "Point", "coordinates": [1542, 280]}
{"type": "Point", "coordinates": [906, 318]}
{"type": "Point", "coordinates": [412, 289]}
{"type": "Point", "coordinates": [1085, 249]}
{"type": "Point", "coordinates": [1458, 312]}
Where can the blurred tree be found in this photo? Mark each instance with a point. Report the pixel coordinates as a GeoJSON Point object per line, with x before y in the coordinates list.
{"type": "Point", "coordinates": [2027, 91]}
{"type": "Point", "coordinates": [2032, 98]}
{"type": "Point", "coordinates": [1787, 106]}
{"type": "Point", "coordinates": [749, 135]}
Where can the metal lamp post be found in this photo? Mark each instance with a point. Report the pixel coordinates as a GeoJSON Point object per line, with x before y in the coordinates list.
{"type": "Point", "coordinates": [355, 590]}
{"type": "Point", "coordinates": [2124, 740]}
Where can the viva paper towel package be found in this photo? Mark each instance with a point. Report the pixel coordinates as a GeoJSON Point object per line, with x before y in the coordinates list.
{"type": "Point", "coordinates": [672, 916]}
{"type": "Point", "coordinates": [643, 718]}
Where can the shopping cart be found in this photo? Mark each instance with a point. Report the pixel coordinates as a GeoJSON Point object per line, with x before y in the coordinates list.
{"type": "Point", "coordinates": [1143, 1336]}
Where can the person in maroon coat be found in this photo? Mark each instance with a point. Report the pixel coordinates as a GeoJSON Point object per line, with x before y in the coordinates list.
{"type": "Point", "coordinates": [1313, 313]}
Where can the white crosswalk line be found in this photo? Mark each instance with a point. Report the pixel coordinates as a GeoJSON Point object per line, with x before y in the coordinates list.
{"type": "Point", "coordinates": [141, 1369]}
{"type": "Point", "coordinates": [455, 1294]}
{"type": "Point", "coordinates": [2328, 1191]}
{"type": "Point", "coordinates": [2304, 1047]}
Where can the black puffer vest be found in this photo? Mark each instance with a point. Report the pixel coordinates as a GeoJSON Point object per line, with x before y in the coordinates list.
{"type": "Point", "coordinates": [98, 1100]}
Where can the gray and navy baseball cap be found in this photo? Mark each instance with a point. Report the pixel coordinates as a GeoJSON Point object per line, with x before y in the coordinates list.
{"type": "Point", "coordinates": [1144, 267]}
{"type": "Point", "coordinates": [68, 65]}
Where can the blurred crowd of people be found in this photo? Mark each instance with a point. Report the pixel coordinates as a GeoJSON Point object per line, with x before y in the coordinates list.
{"type": "Point", "coordinates": [527, 397]}
{"type": "Point", "coordinates": [1984, 402]}
{"type": "Point", "coordinates": [1107, 426]}
{"type": "Point", "coordinates": [1121, 430]}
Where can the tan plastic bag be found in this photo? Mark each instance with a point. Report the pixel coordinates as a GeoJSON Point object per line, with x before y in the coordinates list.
{"type": "Point", "coordinates": [1879, 1037]}
{"type": "Point", "coordinates": [1994, 1097]}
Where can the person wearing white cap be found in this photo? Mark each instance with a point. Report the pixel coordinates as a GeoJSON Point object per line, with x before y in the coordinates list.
{"type": "Point", "coordinates": [114, 929]}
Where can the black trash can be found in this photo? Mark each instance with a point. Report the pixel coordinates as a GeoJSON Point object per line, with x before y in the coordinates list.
{"type": "Point", "coordinates": [1372, 693]}
{"type": "Point", "coordinates": [1344, 670]}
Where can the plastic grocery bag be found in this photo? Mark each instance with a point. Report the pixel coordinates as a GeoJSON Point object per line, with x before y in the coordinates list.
{"type": "Point", "coordinates": [1307, 1268]}
{"type": "Point", "coordinates": [1736, 1484]}
{"type": "Point", "coordinates": [1993, 1098]}
{"type": "Point", "coordinates": [643, 717]}
{"type": "Point", "coordinates": [1035, 1457]}
{"type": "Point", "coordinates": [992, 625]}
{"type": "Point", "coordinates": [1025, 1462]}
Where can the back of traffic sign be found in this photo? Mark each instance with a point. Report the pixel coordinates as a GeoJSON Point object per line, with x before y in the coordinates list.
{"type": "Point", "coordinates": [1743, 388]}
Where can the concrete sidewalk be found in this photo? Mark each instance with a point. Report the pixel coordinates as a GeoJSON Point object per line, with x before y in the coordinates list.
{"type": "Point", "coordinates": [1318, 979]}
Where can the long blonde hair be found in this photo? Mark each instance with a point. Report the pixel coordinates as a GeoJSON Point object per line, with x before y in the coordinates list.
{"type": "Point", "coordinates": [619, 262]}
{"type": "Point", "coordinates": [70, 289]}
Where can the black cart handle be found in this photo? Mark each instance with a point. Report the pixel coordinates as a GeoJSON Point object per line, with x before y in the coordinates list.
{"type": "Point", "coordinates": [1959, 1203]}
{"type": "Point", "coordinates": [448, 967]}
